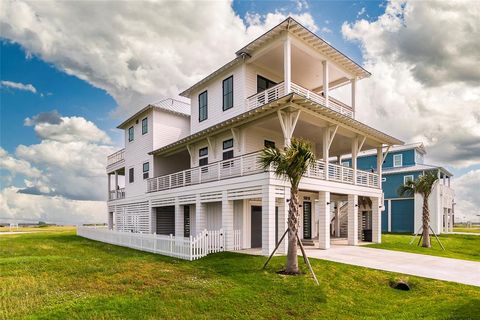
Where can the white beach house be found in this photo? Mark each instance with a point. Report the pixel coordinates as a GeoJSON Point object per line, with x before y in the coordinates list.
{"type": "Point", "coordinates": [192, 167]}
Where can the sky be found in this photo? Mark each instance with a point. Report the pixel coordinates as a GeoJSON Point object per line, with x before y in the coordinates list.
{"type": "Point", "coordinates": [71, 71]}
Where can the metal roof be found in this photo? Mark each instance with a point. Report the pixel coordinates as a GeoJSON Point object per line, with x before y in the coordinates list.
{"type": "Point", "coordinates": [417, 167]}
{"type": "Point", "coordinates": [253, 114]}
{"type": "Point", "coordinates": [169, 105]}
{"type": "Point", "coordinates": [293, 27]}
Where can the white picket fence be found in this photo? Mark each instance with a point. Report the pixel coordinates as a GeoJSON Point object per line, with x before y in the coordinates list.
{"type": "Point", "coordinates": [191, 248]}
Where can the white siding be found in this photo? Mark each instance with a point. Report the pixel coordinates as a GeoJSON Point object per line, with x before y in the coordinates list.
{"type": "Point", "coordinates": [214, 216]}
{"type": "Point", "coordinates": [169, 128]}
{"type": "Point", "coordinates": [251, 72]}
{"type": "Point", "coordinates": [254, 138]}
{"type": "Point", "coordinates": [215, 100]}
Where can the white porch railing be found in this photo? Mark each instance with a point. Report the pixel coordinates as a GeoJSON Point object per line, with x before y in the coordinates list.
{"type": "Point", "coordinates": [191, 248]}
{"type": "Point", "coordinates": [116, 157]}
{"type": "Point", "coordinates": [278, 91]}
{"type": "Point", "coordinates": [116, 194]}
{"type": "Point", "coordinates": [235, 167]}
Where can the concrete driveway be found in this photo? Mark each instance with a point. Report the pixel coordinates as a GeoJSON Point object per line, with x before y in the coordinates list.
{"type": "Point", "coordinates": [461, 271]}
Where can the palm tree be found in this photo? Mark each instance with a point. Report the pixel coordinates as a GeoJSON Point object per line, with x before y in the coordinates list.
{"type": "Point", "coordinates": [423, 185]}
{"type": "Point", "coordinates": [291, 163]}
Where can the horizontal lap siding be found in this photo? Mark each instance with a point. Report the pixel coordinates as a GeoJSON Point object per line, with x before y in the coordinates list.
{"type": "Point", "coordinates": [385, 217]}
{"type": "Point", "coordinates": [402, 215]}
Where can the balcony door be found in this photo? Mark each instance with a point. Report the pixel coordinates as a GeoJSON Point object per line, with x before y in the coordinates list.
{"type": "Point", "coordinates": [264, 83]}
{"type": "Point", "coordinates": [307, 220]}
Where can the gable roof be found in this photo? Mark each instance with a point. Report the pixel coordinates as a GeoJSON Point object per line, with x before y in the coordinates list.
{"type": "Point", "coordinates": [291, 26]}
{"type": "Point", "coordinates": [169, 105]}
{"type": "Point", "coordinates": [415, 168]}
{"type": "Point", "coordinates": [409, 146]}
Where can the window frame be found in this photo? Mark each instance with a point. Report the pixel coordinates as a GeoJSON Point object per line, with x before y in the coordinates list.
{"type": "Point", "coordinates": [405, 178]}
{"type": "Point", "coordinates": [131, 175]}
{"type": "Point", "coordinates": [269, 144]}
{"type": "Point", "coordinates": [147, 171]}
{"type": "Point", "coordinates": [202, 157]}
{"type": "Point", "coordinates": [200, 107]}
{"type": "Point", "coordinates": [132, 137]}
{"type": "Point", "coordinates": [346, 164]}
{"type": "Point", "coordinates": [228, 152]}
{"type": "Point", "coordinates": [269, 83]}
{"type": "Point", "coordinates": [230, 93]}
{"type": "Point", "coordinates": [401, 160]}
{"type": "Point", "coordinates": [144, 125]}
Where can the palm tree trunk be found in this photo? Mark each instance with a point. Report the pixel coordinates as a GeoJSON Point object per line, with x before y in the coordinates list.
{"type": "Point", "coordinates": [425, 223]}
{"type": "Point", "coordinates": [292, 256]}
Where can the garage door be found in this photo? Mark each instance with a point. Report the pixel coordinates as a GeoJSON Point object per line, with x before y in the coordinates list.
{"type": "Point", "coordinates": [166, 220]}
{"type": "Point", "coordinates": [402, 215]}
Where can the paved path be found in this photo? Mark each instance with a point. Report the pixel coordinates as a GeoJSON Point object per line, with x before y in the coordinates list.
{"type": "Point", "coordinates": [456, 270]}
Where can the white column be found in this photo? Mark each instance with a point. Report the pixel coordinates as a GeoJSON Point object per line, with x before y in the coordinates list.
{"type": "Point", "coordinates": [178, 219]}
{"type": "Point", "coordinates": [325, 81]}
{"type": "Point", "coordinates": [376, 220]}
{"type": "Point", "coordinates": [109, 185]}
{"type": "Point", "coordinates": [325, 153]}
{"type": "Point", "coordinates": [354, 158]}
{"type": "Point", "coordinates": [287, 64]}
{"type": "Point", "coordinates": [379, 165]}
{"type": "Point", "coordinates": [116, 180]}
{"type": "Point", "coordinates": [227, 220]}
{"type": "Point", "coordinates": [324, 220]}
{"type": "Point", "coordinates": [268, 219]}
{"type": "Point", "coordinates": [283, 222]}
{"type": "Point", "coordinates": [337, 219]}
{"type": "Point", "coordinates": [354, 93]}
{"type": "Point", "coordinates": [352, 219]}
{"type": "Point", "coordinates": [200, 216]}
{"type": "Point", "coordinates": [389, 213]}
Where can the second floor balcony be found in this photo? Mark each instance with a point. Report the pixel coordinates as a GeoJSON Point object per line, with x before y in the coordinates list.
{"type": "Point", "coordinates": [116, 160]}
{"type": "Point", "coordinates": [248, 164]}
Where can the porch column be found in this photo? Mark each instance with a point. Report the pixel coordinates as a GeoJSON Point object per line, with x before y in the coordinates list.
{"type": "Point", "coordinates": [287, 64]}
{"type": "Point", "coordinates": [178, 219]}
{"type": "Point", "coordinates": [325, 81]}
{"type": "Point", "coordinates": [227, 220]}
{"type": "Point", "coordinates": [326, 154]}
{"type": "Point", "coordinates": [109, 185]}
{"type": "Point", "coordinates": [389, 216]}
{"type": "Point", "coordinates": [200, 216]}
{"type": "Point", "coordinates": [283, 222]}
{"type": "Point", "coordinates": [268, 219]}
{"type": "Point", "coordinates": [354, 158]}
{"type": "Point", "coordinates": [376, 220]}
{"type": "Point", "coordinates": [353, 82]}
{"type": "Point", "coordinates": [116, 180]}
{"type": "Point", "coordinates": [352, 219]}
{"type": "Point", "coordinates": [324, 220]}
{"type": "Point", "coordinates": [379, 165]}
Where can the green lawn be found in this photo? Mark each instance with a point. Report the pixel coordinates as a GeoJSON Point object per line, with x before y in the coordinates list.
{"type": "Point", "coordinates": [465, 229]}
{"type": "Point", "coordinates": [456, 246]}
{"type": "Point", "coordinates": [56, 275]}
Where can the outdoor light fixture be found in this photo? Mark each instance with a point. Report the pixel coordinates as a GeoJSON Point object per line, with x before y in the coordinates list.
{"type": "Point", "coordinates": [356, 205]}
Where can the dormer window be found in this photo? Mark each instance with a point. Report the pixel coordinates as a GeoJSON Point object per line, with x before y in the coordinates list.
{"type": "Point", "coordinates": [397, 160]}
{"type": "Point", "coordinates": [228, 93]}
{"type": "Point", "coordinates": [202, 106]}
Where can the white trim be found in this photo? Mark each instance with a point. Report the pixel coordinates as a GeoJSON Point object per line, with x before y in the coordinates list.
{"type": "Point", "coordinates": [389, 216]}
{"type": "Point", "coordinates": [405, 178]}
{"type": "Point", "coordinates": [384, 179]}
{"type": "Point", "coordinates": [346, 164]}
{"type": "Point", "coordinates": [401, 160]}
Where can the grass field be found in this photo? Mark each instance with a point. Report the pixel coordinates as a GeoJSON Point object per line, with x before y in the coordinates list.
{"type": "Point", "coordinates": [36, 229]}
{"type": "Point", "coordinates": [456, 246]}
{"type": "Point", "coordinates": [56, 275]}
{"type": "Point", "coordinates": [465, 229]}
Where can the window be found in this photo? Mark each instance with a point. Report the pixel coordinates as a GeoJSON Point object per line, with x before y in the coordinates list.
{"type": "Point", "coordinates": [145, 126]}
{"type": "Point", "coordinates": [203, 156]}
{"type": "Point", "coordinates": [186, 221]}
{"type": "Point", "coordinates": [202, 106]}
{"type": "Point", "coordinates": [228, 93]}
{"type": "Point", "coordinates": [130, 134]}
{"type": "Point", "coordinates": [397, 160]}
{"type": "Point", "coordinates": [346, 164]}
{"type": "Point", "coordinates": [264, 84]}
{"type": "Point", "coordinates": [146, 169]}
{"type": "Point", "coordinates": [131, 175]}
{"type": "Point", "coordinates": [228, 149]}
{"type": "Point", "coordinates": [407, 178]}
{"type": "Point", "coordinates": [269, 144]}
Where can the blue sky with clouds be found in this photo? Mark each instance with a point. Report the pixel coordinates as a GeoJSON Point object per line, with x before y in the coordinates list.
{"type": "Point", "coordinates": [95, 70]}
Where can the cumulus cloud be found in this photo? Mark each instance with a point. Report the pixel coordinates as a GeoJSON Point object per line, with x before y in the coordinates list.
{"type": "Point", "coordinates": [18, 86]}
{"type": "Point", "coordinates": [426, 83]}
{"type": "Point", "coordinates": [467, 199]}
{"type": "Point", "coordinates": [128, 50]}
{"type": "Point", "coordinates": [18, 206]}
{"type": "Point", "coordinates": [51, 117]}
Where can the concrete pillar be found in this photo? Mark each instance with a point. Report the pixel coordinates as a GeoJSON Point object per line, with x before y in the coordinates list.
{"type": "Point", "coordinates": [268, 219]}
{"type": "Point", "coordinates": [352, 219]}
{"type": "Point", "coordinates": [283, 222]}
{"type": "Point", "coordinates": [200, 216]}
{"type": "Point", "coordinates": [376, 220]}
{"type": "Point", "coordinates": [287, 64]}
{"type": "Point", "coordinates": [227, 220]}
{"type": "Point", "coordinates": [178, 219]}
{"type": "Point", "coordinates": [325, 82]}
{"type": "Point", "coordinates": [324, 220]}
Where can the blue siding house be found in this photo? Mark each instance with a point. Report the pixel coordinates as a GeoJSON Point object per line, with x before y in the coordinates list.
{"type": "Point", "coordinates": [403, 213]}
